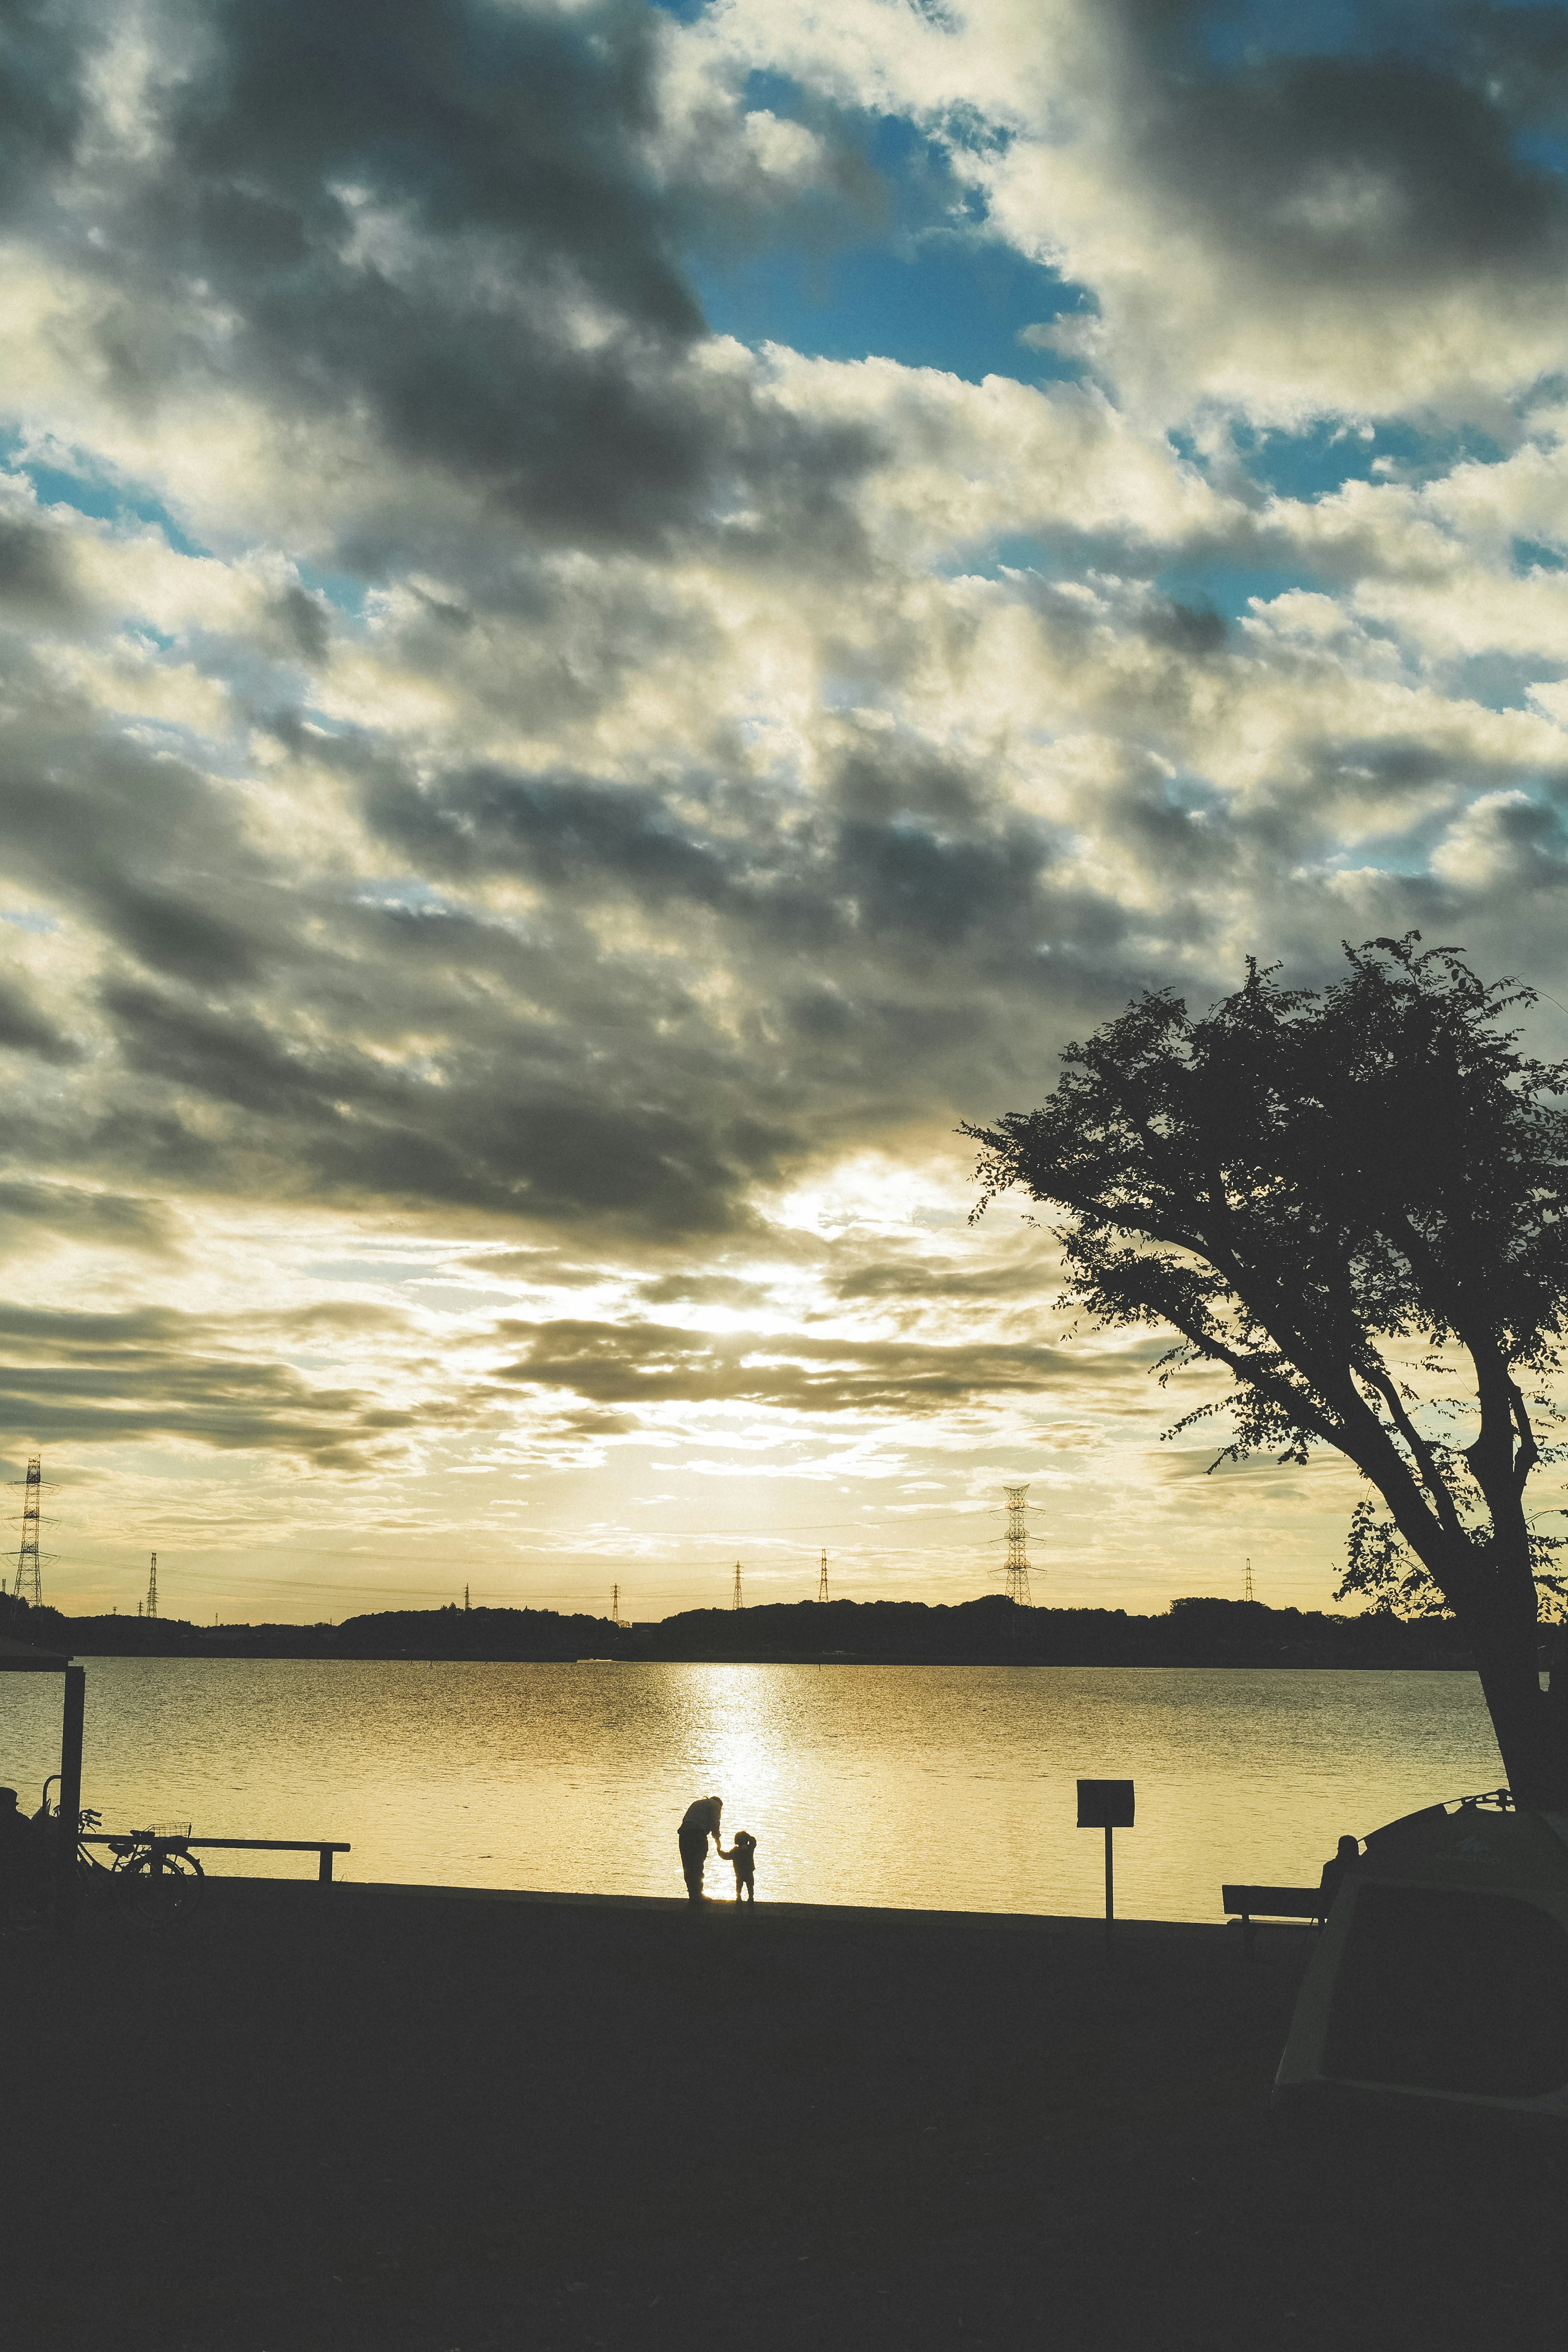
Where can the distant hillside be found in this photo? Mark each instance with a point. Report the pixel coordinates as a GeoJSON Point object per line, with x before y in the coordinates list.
{"type": "Point", "coordinates": [988, 1632]}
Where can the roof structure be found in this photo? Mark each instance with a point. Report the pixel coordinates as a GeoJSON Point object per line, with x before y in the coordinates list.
{"type": "Point", "coordinates": [21, 1658]}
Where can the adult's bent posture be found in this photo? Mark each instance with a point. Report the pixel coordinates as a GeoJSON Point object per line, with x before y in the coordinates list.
{"type": "Point", "coordinates": [698, 1823]}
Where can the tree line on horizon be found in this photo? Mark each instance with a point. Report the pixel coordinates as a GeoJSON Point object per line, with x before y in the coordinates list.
{"type": "Point", "coordinates": [991, 1630]}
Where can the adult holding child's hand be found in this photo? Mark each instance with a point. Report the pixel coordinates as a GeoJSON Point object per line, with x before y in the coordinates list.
{"type": "Point", "coordinates": [698, 1823]}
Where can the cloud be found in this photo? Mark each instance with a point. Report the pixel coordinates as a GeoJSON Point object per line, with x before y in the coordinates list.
{"type": "Point", "coordinates": [154, 1373]}
{"type": "Point", "coordinates": [629, 1363]}
{"type": "Point", "coordinates": [489, 761]}
{"type": "Point", "coordinates": [437, 242]}
{"type": "Point", "coordinates": [106, 1220]}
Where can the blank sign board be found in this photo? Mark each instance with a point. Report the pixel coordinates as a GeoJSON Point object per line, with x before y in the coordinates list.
{"type": "Point", "coordinates": [1105, 1804]}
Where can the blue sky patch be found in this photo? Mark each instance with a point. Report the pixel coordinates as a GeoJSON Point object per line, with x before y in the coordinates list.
{"type": "Point", "coordinates": [95, 494]}
{"type": "Point", "coordinates": [900, 268]}
{"type": "Point", "coordinates": [953, 303]}
{"type": "Point", "coordinates": [1226, 587]}
{"type": "Point", "coordinates": [1321, 458]}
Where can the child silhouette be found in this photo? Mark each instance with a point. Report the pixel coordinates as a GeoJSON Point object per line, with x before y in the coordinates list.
{"type": "Point", "coordinates": [740, 1854]}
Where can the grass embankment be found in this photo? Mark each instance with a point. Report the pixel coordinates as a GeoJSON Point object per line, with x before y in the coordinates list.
{"type": "Point", "coordinates": [382, 2121]}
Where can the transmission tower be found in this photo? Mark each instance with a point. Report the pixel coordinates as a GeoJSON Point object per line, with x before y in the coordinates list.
{"type": "Point", "coordinates": [737, 1602]}
{"type": "Point", "coordinates": [466, 1600]}
{"type": "Point", "coordinates": [822, 1580]}
{"type": "Point", "coordinates": [29, 1584]}
{"type": "Point", "coordinates": [1247, 1594]}
{"type": "Point", "coordinates": [615, 1605]}
{"type": "Point", "coordinates": [152, 1587]}
{"type": "Point", "coordinates": [1018, 1546]}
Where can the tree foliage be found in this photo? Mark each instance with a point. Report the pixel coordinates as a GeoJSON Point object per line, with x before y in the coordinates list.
{"type": "Point", "coordinates": [1333, 1194]}
{"type": "Point", "coordinates": [1382, 1569]}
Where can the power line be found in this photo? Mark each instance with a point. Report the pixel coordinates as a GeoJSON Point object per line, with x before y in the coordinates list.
{"type": "Point", "coordinates": [659, 1535]}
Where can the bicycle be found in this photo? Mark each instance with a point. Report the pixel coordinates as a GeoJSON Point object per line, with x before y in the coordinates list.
{"type": "Point", "coordinates": [153, 1869]}
{"type": "Point", "coordinates": [166, 1879]}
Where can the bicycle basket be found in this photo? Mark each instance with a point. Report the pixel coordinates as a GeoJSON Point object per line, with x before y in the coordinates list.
{"type": "Point", "coordinates": [165, 1830]}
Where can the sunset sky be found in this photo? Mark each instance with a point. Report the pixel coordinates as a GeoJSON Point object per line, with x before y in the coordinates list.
{"type": "Point", "coordinates": [613, 617]}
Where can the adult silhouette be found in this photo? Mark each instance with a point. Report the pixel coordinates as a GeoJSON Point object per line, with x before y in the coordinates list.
{"type": "Point", "coordinates": [698, 1823]}
{"type": "Point", "coordinates": [23, 1852]}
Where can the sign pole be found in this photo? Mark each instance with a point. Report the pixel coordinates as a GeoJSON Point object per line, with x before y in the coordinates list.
{"type": "Point", "coordinates": [1106, 1805]}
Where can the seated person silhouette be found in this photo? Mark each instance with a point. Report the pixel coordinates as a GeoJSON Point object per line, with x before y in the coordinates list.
{"type": "Point", "coordinates": [740, 1854]}
{"type": "Point", "coordinates": [698, 1823]}
{"type": "Point", "coordinates": [23, 1852]}
{"type": "Point", "coordinates": [1346, 1856]}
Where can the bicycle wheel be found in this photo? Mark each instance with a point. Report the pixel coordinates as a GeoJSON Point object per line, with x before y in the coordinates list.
{"type": "Point", "coordinates": [95, 1880]}
{"type": "Point", "coordinates": [165, 1884]}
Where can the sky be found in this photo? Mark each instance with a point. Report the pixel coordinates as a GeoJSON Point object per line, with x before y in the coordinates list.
{"type": "Point", "coordinates": [611, 619]}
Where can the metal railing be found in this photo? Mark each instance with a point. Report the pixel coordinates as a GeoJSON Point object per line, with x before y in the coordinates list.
{"type": "Point", "coordinates": [323, 1848]}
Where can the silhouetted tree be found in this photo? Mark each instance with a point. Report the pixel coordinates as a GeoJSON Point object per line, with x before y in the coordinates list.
{"type": "Point", "coordinates": [1329, 1192]}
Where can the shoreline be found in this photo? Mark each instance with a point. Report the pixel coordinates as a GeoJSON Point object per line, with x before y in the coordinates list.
{"type": "Point", "coordinates": [850, 1918]}
{"type": "Point", "coordinates": [262, 1656]}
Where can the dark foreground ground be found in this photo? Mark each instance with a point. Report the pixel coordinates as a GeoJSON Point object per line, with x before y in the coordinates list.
{"type": "Point", "coordinates": [392, 2123]}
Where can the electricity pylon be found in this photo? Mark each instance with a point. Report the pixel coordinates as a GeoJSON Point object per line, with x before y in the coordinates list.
{"type": "Point", "coordinates": [152, 1610]}
{"type": "Point", "coordinates": [29, 1584]}
{"type": "Point", "coordinates": [736, 1602]}
{"type": "Point", "coordinates": [822, 1580]}
{"type": "Point", "coordinates": [1018, 1546]}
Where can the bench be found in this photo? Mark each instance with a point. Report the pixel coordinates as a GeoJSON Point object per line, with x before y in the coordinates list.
{"type": "Point", "coordinates": [323, 1848]}
{"type": "Point", "coordinates": [1272, 1902]}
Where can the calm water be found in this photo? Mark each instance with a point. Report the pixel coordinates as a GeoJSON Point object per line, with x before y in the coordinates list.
{"type": "Point", "coordinates": [946, 1786]}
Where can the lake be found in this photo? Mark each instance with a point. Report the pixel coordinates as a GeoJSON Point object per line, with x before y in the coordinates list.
{"type": "Point", "coordinates": [942, 1787]}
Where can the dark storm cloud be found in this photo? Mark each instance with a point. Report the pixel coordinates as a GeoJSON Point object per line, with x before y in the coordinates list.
{"type": "Point", "coordinates": [892, 1280]}
{"type": "Point", "coordinates": [611, 1363]}
{"type": "Point", "coordinates": [25, 1030]}
{"type": "Point", "coordinates": [108, 1220]}
{"type": "Point", "coordinates": [154, 1373]}
{"type": "Point", "coordinates": [558, 829]}
{"type": "Point", "coordinates": [304, 1040]}
{"type": "Point", "coordinates": [589, 1139]}
{"type": "Point", "coordinates": [812, 879]}
{"type": "Point", "coordinates": [141, 844]}
{"type": "Point", "coordinates": [40, 106]}
{"type": "Point", "coordinates": [434, 222]}
{"type": "Point", "coordinates": [287, 1011]}
{"type": "Point", "coordinates": [35, 576]}
{"type": "Point", "coordinates": [1394, 161]}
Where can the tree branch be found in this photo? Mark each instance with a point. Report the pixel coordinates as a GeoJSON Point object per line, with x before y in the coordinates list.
{"type": "Point", "coordinates": [1432, 1477]}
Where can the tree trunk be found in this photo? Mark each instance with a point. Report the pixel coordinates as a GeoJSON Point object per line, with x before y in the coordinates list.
{"type": "Point", "coordinates": [1530, 1723]}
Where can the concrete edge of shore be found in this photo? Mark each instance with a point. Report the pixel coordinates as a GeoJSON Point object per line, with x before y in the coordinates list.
{"type": "Point", "coordinates": [846, 1916]}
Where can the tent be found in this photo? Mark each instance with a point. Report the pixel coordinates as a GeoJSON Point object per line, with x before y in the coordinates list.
{"type": "Point", "coordinates": [1441, 1975]}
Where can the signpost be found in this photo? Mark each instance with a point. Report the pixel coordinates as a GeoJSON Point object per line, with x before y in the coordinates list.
{"type": "Point", "coordinates": [1106, 1805]}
